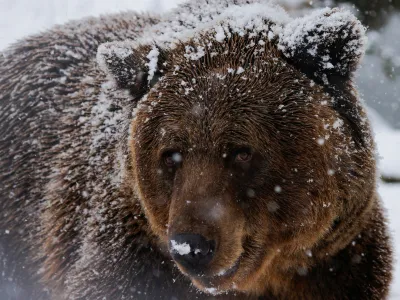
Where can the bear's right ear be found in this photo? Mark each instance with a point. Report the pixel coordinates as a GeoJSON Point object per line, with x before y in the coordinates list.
{"type": "Point", "coordinates": [131, 68]}
{"type": "Point", "coordinates": [327, 44]}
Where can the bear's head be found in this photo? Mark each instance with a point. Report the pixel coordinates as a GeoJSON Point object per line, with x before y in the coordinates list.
{"type": "Point", "coordinates": [249, 151]}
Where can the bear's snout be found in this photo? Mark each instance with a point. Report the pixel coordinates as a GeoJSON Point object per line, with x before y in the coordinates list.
{"type": "Point", "coordinates": [192, 251]}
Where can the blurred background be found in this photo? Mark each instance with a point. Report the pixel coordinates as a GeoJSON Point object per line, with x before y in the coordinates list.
{"type": "Point", "coordinates": [378, 78]}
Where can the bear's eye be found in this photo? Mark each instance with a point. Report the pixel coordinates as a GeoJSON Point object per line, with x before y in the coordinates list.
{"type": "Point", "coordinates": [172, 158]}
{"type": "Point", "coordinates": [243, 155]}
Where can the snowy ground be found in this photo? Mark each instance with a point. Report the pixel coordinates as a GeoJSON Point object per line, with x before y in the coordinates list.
{"type": "Point", "coordinates": [21, 17]}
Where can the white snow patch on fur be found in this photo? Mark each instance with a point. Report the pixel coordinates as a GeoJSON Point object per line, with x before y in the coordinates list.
{"type": "Point", "coordinates": [324, 26]}
{"type": "Point", "coordinates": [213, 291]}
{"type": "Point", "coordinates": [181, 249]}
{"type": "Point", "coordinates": [240, 70]}
{"type": "Point", "coordinates": [153, 61]}
{"type": "Point", "coordinates": [105, 51]}
{"type": "Point", "coordinates": [190, 21]}
{"type": "Point", "coordinates": [219, 34]}
{"type": "Point", "coordinates": [322, 20]}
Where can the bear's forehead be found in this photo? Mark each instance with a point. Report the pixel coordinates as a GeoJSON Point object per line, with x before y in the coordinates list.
{"type": "Point", "coordinates": [220, 107]}
{"type": "Point", "coordinates": [228, 85]}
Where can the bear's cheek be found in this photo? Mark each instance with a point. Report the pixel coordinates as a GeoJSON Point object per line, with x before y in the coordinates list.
{"type": "Point", "coordinates": [157, 216]}
{"type": "Point", "coordinates": [155, 198]}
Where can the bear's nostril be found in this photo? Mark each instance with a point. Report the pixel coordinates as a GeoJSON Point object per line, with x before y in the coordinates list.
{"type": "Point", "coordinates": [192, 251]}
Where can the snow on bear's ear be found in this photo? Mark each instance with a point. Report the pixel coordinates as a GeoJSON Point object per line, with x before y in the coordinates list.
{"type": "Point", "coordinates": [326, 45]}
{"type": "Point", "coordinates": [132, 68]}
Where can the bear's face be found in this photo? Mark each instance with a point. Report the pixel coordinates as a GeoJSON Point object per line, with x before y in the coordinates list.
{"type": "Point", "coordinates": [232, 156]}
{"type": "Point", "coordinates": [237, 156]}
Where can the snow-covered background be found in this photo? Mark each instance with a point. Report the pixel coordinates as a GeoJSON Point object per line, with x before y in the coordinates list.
{"type": "Point", "coordinates": [378, 79]}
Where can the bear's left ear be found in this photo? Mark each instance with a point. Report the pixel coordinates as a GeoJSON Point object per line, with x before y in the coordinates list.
{"type": "Point", "coordinates": [132, 68]}
{"type": "Point", "coordinates": [327, 45]}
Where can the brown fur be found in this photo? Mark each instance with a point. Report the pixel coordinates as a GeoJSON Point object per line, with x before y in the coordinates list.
{"type": "Point", "coordinates": [302, 219]}
{"type": "Point", "coordinates": [277, 236]}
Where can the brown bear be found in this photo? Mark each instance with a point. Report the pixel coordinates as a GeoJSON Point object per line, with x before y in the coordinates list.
{"type": "Point", "coordinates": [219, 151]}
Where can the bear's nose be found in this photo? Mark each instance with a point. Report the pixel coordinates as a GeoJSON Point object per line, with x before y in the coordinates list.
{"type": "Point", "coordinates": [192, 251]}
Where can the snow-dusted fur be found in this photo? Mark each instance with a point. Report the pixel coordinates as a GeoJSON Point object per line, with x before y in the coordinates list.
{"type": "Point", "coordinates": [59, 134]}
{"type": "Point", "coordinates": [72, 225]}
